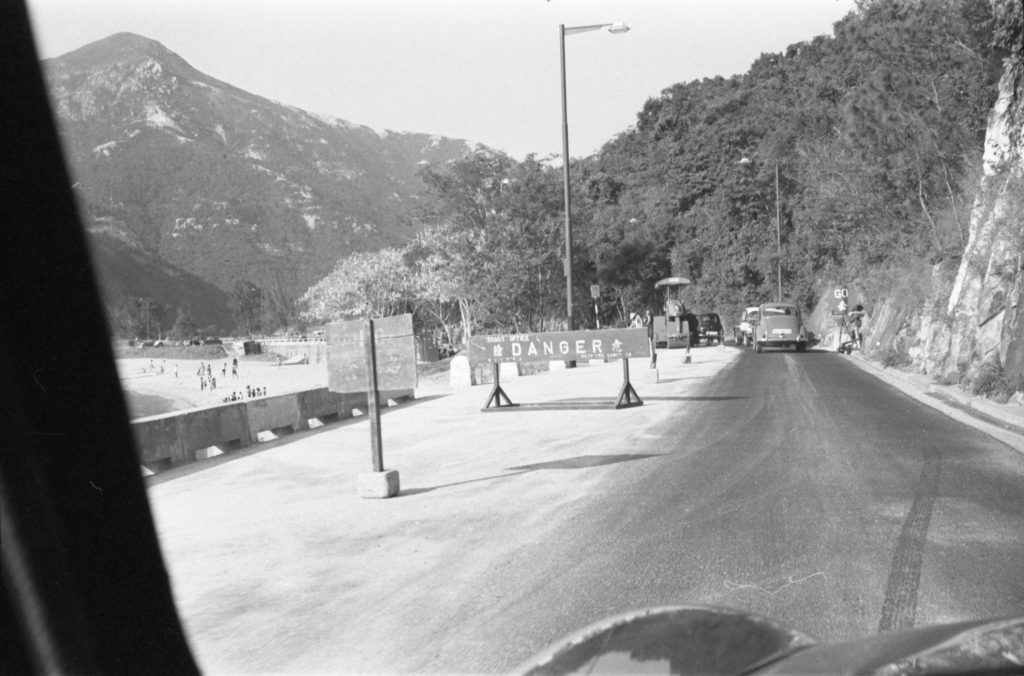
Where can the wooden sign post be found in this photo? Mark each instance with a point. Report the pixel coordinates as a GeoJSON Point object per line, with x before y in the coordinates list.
{"type": "Point", "coordinates": [373, 400]}
{"type": "Point", "coordinates": [373, 356]}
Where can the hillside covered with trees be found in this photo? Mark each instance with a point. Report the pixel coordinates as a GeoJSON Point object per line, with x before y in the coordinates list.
{"type": "Point", "coordinates": [867, 144]}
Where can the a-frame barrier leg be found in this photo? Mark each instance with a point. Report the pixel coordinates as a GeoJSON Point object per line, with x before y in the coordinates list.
{"type": "Point", "coordinates": [627, 395]}
{"type": "Point", "coordinates": [497, 394]}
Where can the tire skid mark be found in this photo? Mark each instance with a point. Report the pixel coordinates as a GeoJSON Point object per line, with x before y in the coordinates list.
{"type": "Point", "coordinates": [775, 535]}
{"type": "Point", "coordinates": [899, 608]}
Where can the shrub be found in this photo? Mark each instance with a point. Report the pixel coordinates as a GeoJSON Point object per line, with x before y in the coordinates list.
{"type": "Point", "coordinates": [991, 382]}
{"type": "Point", "coordinates": [894, 358]}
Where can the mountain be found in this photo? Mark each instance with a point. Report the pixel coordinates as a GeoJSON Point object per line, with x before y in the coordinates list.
{"type": "Point", "coordinates": [187, 175]}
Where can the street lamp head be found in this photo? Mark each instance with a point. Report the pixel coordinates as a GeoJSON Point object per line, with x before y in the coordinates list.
{"type": "Point", "coordinates": [618, 27]}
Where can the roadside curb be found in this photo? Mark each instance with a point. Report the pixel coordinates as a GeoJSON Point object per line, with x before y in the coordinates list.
{"type": "Point", "coordinates": [1004, 422]}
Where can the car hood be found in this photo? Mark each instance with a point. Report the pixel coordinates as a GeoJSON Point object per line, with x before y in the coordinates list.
{"type": "Point", "coordinates": [708, 640]}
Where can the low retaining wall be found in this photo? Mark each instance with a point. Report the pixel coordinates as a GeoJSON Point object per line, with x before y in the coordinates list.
{"type": "Point", "coordinates": [178, 438]}
{"type": "Point", "coordinates": [314, 351]}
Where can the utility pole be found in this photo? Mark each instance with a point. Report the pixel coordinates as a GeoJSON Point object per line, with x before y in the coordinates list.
{"type": "Point", "coordinates": [778, 233]}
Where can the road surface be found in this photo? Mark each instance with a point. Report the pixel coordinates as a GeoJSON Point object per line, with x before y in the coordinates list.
{"type": "Point", "coordinates": [804, 490]}
{"type": "Point", "coordinates": [796, 486]}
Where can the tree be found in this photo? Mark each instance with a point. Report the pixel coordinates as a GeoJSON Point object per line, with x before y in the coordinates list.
{"type": "Point", "coordinates": [374, 284]}
{"type": "Point", "coordinates": [438, 281]}
{"type": "Point", "coordinates": [122, 317]}
{"type": "Point", "coordinates": [185, 326]}
{"type": "Point", "coordinates": [245, 303]}
{"type": "Point", "coordinates": [498, 234]}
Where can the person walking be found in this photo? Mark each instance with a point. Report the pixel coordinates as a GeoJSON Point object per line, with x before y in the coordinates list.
{"type": "Point", "coordinates": [649, 323]}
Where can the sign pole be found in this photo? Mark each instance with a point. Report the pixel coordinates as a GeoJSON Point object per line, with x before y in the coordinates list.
{"type": "Point", "coordinates": [356, 364]}
{"type": "Point", "coordinates": [373, 400]}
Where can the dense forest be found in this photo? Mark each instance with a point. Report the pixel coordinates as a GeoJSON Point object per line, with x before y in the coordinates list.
{"type": "Point", "coordinates": [865, 144]}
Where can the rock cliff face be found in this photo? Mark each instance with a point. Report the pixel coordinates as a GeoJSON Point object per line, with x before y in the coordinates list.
{"type": "Point", "coordinates": [956, 324]}
{"type": "Point", "coordinates": [983, 321]}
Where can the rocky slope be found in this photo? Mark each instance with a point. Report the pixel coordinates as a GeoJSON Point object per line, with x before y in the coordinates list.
{"type": "Point", "coordinates": [966, 325]}
{"type": "Point", "coordinates": [983, 321]}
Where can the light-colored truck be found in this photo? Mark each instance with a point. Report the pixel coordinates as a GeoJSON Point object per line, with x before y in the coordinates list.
{"type": "Point", "coordinates": [743, 333]}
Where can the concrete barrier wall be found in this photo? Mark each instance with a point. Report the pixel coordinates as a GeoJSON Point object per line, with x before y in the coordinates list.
{"type": "Point", "coordinates": [273, 413]}
{"type": "Point", "coordinates": [182, 437]}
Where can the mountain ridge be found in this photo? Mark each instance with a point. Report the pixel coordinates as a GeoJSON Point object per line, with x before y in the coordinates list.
{"type": "Point", "coordinates": [224, 184]}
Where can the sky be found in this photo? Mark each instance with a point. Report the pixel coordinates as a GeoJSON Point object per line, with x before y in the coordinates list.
{"type": "Point", "coordinates": [487, 71]}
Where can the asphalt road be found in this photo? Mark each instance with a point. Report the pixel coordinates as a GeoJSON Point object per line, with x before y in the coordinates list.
{"type": "Point", "coordinates": [796, 486]}
{"type": "Point", "coordinates": [802, 489]}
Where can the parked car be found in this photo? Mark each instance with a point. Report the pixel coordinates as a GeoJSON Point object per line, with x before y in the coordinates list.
{"type": "Point", "coordinates": [743, 332]}
{"type": "Point", "coordinates": [212, 341]}
{"type": "Point", "coordinates": [709, 329]}
{"type": "Point", "coordinates": [779, 325]}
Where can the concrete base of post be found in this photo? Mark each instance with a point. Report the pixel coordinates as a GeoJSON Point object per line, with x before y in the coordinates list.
{"type": "Point", "coordinates": [686, 357]}
{"type": "Point", "coordinates": [460, 373]}
{"type": "Point", "coordinates": [650, 376]}
{"type": "Point", "coordinates": [378, 484]}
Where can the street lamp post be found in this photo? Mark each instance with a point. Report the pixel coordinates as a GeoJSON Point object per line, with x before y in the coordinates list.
{"type": "Point", "coordinates": [778, 233]}
{"type": "Point", "coordinates": [564, 30]}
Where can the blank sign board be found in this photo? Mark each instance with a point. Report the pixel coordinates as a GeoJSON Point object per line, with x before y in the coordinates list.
{"type": "Point", "coordinates": [348, 357]}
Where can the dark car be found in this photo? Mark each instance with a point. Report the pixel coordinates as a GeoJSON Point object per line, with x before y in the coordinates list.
{"type": "Point", "coordinates": [693, 324]}
{"type": "Point", "coordinates": [709, 330]}
{"type": "Point", "coordinates": [212, 341]}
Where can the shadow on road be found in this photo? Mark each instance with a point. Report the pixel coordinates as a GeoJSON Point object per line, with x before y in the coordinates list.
{"type": "Point", "coordinates": [560, 405]}
{"type": "Point", "coordinates": [592, 404]}
{"type": "Point", "coordinates": [578, 462]}
{"type": "Point", "coordinates": [684, 398]}
{"type": "Point", "coordinates": [583, 461]}
{"type": "Point", "coordinates": [676, 380]}
{"type": "Point", "coordinates": [406, 492]}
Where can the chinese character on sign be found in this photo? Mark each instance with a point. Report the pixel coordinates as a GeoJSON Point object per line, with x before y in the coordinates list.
{"type": "Point", "coordinates": [842, 306]}
{"type": "Point", "coordinates": [498, 351]}
{"type": "Point", "coordinates": [617, 346]}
